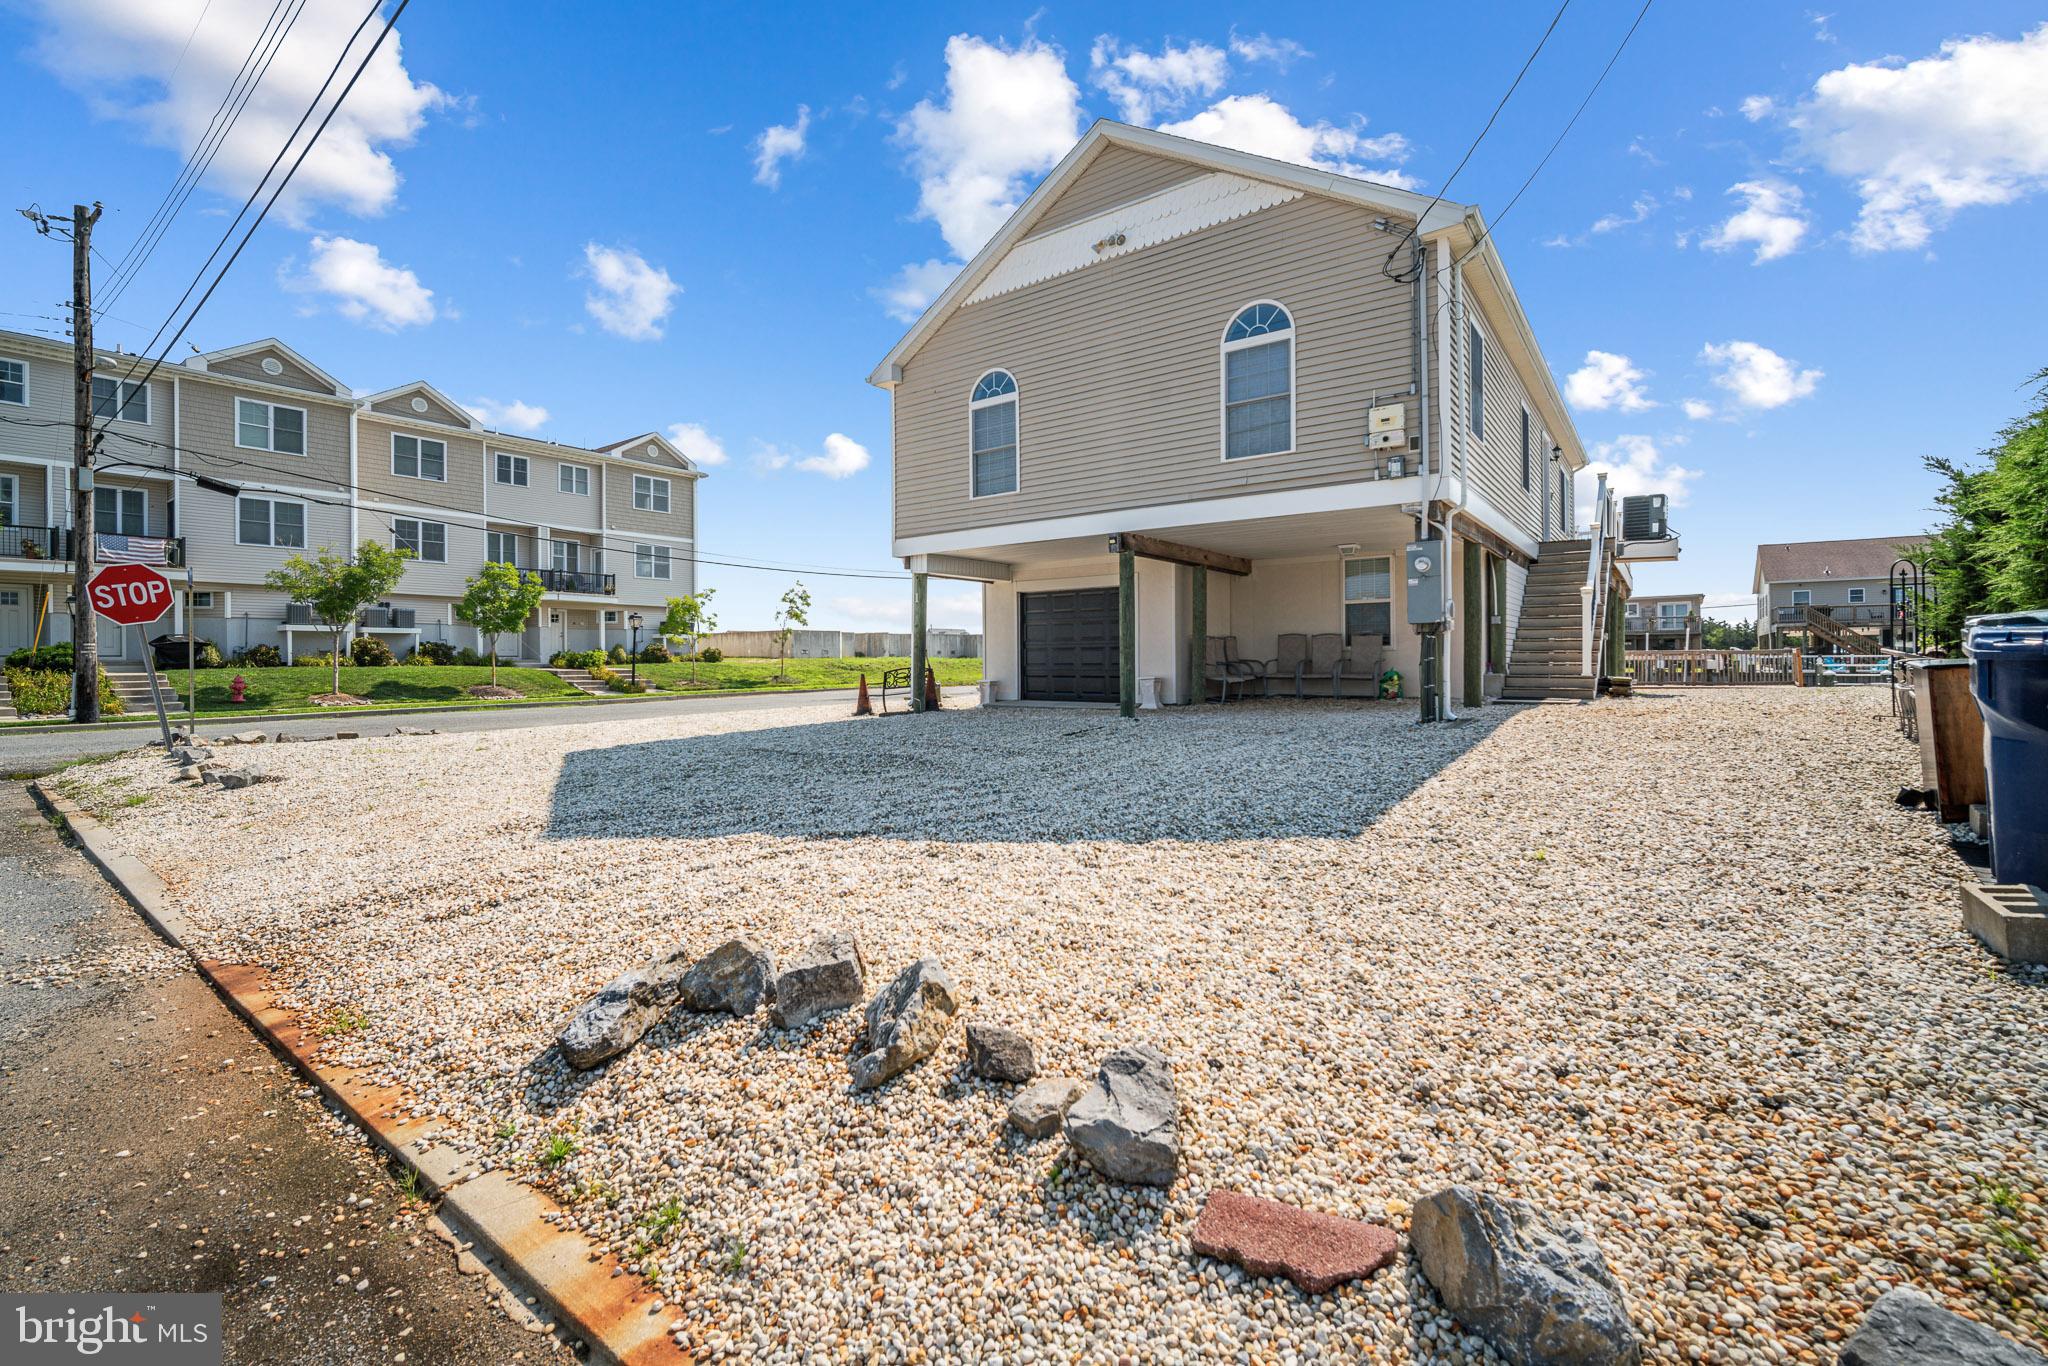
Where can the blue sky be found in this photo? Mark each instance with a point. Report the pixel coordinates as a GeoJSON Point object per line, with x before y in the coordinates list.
{"type": "Point", "coordinates": [1795, 240]}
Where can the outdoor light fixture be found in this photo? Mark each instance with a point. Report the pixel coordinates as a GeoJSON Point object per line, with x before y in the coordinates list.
{"type": "Point", "coordinates": [633, 620]}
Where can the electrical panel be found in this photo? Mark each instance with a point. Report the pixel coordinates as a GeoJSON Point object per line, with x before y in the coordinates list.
{"type": "Point", "coordinates": [1387, 441]}
{"type": "Point", "coordinates": [1388, 417]}
{"type": "Point", "coordinates": [1425, 564]}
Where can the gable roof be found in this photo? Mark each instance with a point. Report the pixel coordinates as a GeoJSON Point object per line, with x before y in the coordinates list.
{"type": "Point", "coordinates": [674, 452]}
{"type": "Point", "coordinates": [1869, 557]}
{"type": "Point", "coordinates": [205, 360]}
{"type": "Point", "coordinates": [420, 386]}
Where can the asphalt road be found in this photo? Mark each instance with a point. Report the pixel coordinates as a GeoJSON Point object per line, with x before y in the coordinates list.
{"type": "Point", "coordinates": [154, 1145]}
{"type": "Point", "coordinates": [39, 751]}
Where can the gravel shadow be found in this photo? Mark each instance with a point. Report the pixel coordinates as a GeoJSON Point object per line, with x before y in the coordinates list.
{"type": "Point", "coordinates": [1257, 770]}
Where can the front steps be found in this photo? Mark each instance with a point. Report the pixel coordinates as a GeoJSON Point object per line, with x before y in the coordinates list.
{"type": "Point", "coordinates": [582, 681]}
{"type": "Point", "coordinates": [1550, 633]}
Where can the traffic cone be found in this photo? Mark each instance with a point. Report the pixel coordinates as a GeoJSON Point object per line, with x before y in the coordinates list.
{"type": "Point", "coordinates": [861, 705]}
{"type": "Point", "coordinates": [931, 689]}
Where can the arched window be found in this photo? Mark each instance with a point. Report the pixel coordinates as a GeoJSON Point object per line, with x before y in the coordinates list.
{"type": "Point", "coordinates": [992, 435]}
{"type": "Point", "coordinates": [1258, 382]}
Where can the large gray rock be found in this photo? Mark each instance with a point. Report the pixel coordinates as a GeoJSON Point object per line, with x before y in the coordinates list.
{"type": "Point", "coordinates": [734, 977]}
{"type": "Point", "coordinates": [629, 1005]}
{"type": "Point", "coordinates": [906, 1021]}
{"type": "Point", "coordinates": [1905, 1328]}
{"type": "Point", "coordinates": [1036, 1111]}
{"type": "Point", "coordinates": [999, 1054]}
{"type": "Point", "coordinates": [1539, 1292]}
{"type": "Point", "coordinates": [828, 975]}
{"type": "Point", "coordinates": [1123, 1125]}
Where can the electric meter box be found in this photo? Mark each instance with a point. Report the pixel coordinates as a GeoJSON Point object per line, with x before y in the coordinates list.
{"type": "Point", "coordinates": [1387, 440]}
{"type": "Point", "coordinates": [1425, 561]}
{"type": "Point", "coordinates": [1385, 418]}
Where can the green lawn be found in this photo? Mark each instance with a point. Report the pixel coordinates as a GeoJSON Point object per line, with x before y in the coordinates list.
{"type": "Point", "coordinates": [750, 674]}
{"type": "Point", "coordinates": [397, 685]}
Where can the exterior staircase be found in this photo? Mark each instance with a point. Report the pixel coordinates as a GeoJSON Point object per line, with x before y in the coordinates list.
{"type": "Point", "coordinates": [1845, 639]}
{"type": "Point", "coordinates": [582, 681]}
{"type": "Point", "coordinates": [131, 685]}
{"type": "Point", "coordinates": [1550, 634]}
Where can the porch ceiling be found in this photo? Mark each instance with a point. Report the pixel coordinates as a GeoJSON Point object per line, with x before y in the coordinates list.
{"type": "Point", "coordinates": [1266, 538]}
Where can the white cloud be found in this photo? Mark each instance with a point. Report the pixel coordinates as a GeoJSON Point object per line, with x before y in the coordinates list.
{"type": "Point", "coordinates": [1640, 209]}
{"type": "Point", "coordinates": [694, 441]}
{"type": "Point", "coordinates": [1259, 125]}
{"type": "Point", "coordinates": [1637, 149]}
{"type": "Point", "coordinates": [780, 142]}
{"type": "Point", "coordinates": [1758, 107]}
{"type": "Point", "coordinates": [1773, 219]}
{"type": "Point", "coordinates": [631, 297]}
{"type": "Point", "coordinates": [1923, 139]}
{"type": "Point", "coordinates": [1262, 48]}
{"type": "Point", "coordinates": [872, 614]}
{"type": "Point", "coordinates": [770, 458]}
{"type": "Point", "coordinates": [1009, 114]}
{"type": "Point", "coordinates": [1821, 32]}
{"type": "Point", "coordinates": [1634, 465]}
{"type": "Point", "coordinates": [363, 285]}
{"type": "Point", "coordinates": [130, 61]}
{"type": "Point", "coordinates": [843, 458]}
{"type": "Point", "coordinates": [1607, 381]}
{"type": "Point", "coordinates": [514, 416]}
{"type": "Point", "coordinates": [1757, 376]}
{"type": "Point", "coordinates": [1698, 409]}
{"type": "Point", "coordinates": [914, 287]}
{"type": "Point", "coordinates": [1144, 84]}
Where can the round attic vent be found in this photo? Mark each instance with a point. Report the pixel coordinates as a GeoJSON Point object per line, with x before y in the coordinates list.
{"type": "Point", "coordinates": [419, 405]}
{"type": "Point", "coordinates": [654, 452]}
{"type": "Point", "coordinates": [272, 365]}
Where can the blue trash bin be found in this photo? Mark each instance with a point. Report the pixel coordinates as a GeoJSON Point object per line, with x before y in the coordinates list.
{"type": "Point", "coordinates": [2009, 678]}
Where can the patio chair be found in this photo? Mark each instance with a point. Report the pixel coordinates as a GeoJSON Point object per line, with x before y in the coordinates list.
{"type": "Point", "coordinates": [1291, 662]}
{"type": "Point", "coordinates": [1247, 670]}
{"type": "Point", "coordinates": [1216, 669]}
{"type": "Point", "coordinates": [1359, 663]}
{"type": "Point", "coordinates": [1325, 658]}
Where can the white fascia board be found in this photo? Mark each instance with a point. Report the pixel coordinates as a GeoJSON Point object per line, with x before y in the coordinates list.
{"type": "Point", "coordinates": [420, 386]}
{"type": "Point", "coordinates": [205, 360]}
{"type": "Point", "coordinates": [1477, 507]}
{"type": "Point", "coordinates": [430, 513]}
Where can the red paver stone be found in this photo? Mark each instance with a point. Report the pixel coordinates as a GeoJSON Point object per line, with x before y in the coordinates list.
{"type": "Point", "coordinates": [1267, 1238]}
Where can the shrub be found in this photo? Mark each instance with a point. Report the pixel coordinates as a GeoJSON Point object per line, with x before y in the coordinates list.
{"type": "Point", "coordinates": [559, 660]}
{"type": "Point", "coordinates": [371, 652]}
{"type": "Point", "coordinates": [432, 652]}
{"type": "Point", "coordinates": [576, 659]}
{"type": "Point", "coordinates": [657, 653]}
{"type": "Point", "coordinates": [469, 658]}
{"type": "Point", "coordinates": [47, 692]}
{"type": "Point", "coordinates": [56, 657]}
{"type": "Point", "coordinates": [711, 654]}
{"type": "Point", "coordinates": [617, 654]}
{"type": "Point", "coordinates": [259, 657]}
{"type": "Point", "coordinates": [323, 660]}
{"type": "Point", "coordinates": [599, 670]}
{"type": "Point", "coordinates": [207, 656]}
{"type": "Point", "coordinates": [621, 683]}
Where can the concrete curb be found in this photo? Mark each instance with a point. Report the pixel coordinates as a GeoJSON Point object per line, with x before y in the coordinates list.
{"type": "Point", "coordinates": [585, 1290]}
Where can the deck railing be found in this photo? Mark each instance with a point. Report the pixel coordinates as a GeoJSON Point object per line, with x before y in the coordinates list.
{"type": "Point", "coordinates": [1708, 668]}
{"type": "Point", "coordinates": [35, 543]}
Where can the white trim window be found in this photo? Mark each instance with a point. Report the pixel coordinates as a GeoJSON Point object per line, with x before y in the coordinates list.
{"type": "Point", "coordinates": [122, 400]}
{"type": "Point", "coordinates": [501, 547]}
{"type": "Point", "coordinates": [1528, 451]}
{"type": "Point", "coordinates": [428, 541]}
{"type": "Point", "coordinates": [120, 512]}
{"type": "Point", "coordinates": [650, 494]}
{"type": "Point", "coordinates": [992, 435]}
{"type": "Point", "coordinates": [512, 469]}
{"type": "Point", "coordinates": [270, 427]}
{"type": "Point", "coordinates": [574, 479]}
{"type": "Point", "coordinates": [651, 562]}
{"type": "Point", "coordinates": [419, 457]}
{"type": "Point", "coordinates": [202, 601]}
{"type": "Point", "coordinates": [1475, 370]}
{"type": "Point", "coordinates": [1802, 597]}
{"type": "Point", "coordinates": [270, 521]}
{"type": "Point", "coordinates": [1258, 382]}
{"type": "Point", "coordinates": [13, 381]}
{"type": "Point", "coordinates": [1856, 597]}
{"type": "Point", "coordinates": [565, 556]}
{"type": "Point", "coordinates": [1673, 612]}
{"type": "Point", "coordinates": [10, 500]}
{"type": "Point", "coordinates": [1369, 600]}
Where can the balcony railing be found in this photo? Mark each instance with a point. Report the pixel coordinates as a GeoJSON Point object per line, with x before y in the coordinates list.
{"type": "Point", "coordinates": [35, 543]}
{"type": "Point", "coordinates": [1847, 613]}
{"type": "Point", "coordinates": [578, 581]}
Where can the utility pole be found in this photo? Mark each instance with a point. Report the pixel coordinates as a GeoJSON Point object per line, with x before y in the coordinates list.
{"type": "Point", "coordinates": [85, 647]}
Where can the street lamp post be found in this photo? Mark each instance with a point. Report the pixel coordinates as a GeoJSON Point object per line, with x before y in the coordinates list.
{"type": "Point", "coordinates": [633, 619]}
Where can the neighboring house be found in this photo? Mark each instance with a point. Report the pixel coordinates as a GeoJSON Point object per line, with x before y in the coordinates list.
{"type": "Point", "coordinates": [1241, 362]}
{"type": "Point", "coordinates": [611, 529]}
{"type": "Point", "coordinates": [1832, 594]}
{"type": "Point", "coordinates": [1664, 623]}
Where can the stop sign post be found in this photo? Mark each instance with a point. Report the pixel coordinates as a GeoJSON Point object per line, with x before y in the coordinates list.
{"type": "Point", "coordinates": [135, 595]}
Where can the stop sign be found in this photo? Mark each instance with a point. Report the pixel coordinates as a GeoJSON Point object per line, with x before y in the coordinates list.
{"type": "Point", "coordinates": [131, 594]}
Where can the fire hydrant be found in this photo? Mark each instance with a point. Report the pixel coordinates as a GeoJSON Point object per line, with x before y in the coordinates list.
{"type": "Point", "coordinates": [238, 690]}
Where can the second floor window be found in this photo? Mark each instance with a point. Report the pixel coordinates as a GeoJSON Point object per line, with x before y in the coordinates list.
{"type": "Point", "coordinates": [649, 493]}
{"type": "Point", "coordinates": [270, 427]}
{"type": "Point", "coordinates": [1802, 597]}
{"type": "Point", "coordinates": [120, 512]}
{"type": "Point", "coordinates": [1528, 455]}
{"type": "Point", "coordinates": [501, 547]}
{"type": "Point", "coordinates": [992, 435]}
{"type": "Point", "coordinates": [1856, 596]}
{"type": "Point", "coordinates": [269, 521]}
{"type": "Point", "coordinates": [427, 540]}
{"type": "Point", "coordinates": [574, 479]}
{"type": "Point", "coordinates": [1258, 382]}
{"type": "Point", "coordinates": [512, 469]}
{"type": "Point", "coordinates": [565, 555]}
{"type": "Point", "coordinates": [13, 381]}
{"type": "Point", "coordinates": [120, 398]}
{"type": "Point", "coordinates": [419, 457]}
{"type": "Point", "coordinates": [9, 492]}
{"type": "Point", "coordinates": [650, 561]}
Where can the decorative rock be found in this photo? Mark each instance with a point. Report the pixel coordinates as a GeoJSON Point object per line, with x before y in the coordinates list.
{"type": "Point", "coordinates": [734, 977]}
{"type": "Point", "coordinates": [1036, 1111]}
{"type": "Point", "coordinates": [1905, 1328]}
{"type": "Point", "coordinates": [189, 773]}
{"type": "Point", "coordinates": [1123, 1126]}
{"type": "Point", "coordinates": [244, 737]}
{"type": "Point", "coordinates": [347, 735]}
{"type": "Point", "coordinates": [629, 1005]}
{"type": "Point", "coordinates": [1316, 1251]}
{"type": "Point", "coordinates": [191, 754]}
{"type": "Point", "coordinates": [416, 730]}
{"type": "Point", "coordinates": [906, 1021]}
{"type": "Point", "coordinates": [1539, 1292]}
{"type": "Point", "coordinates": [999, 1054]}
{"type": "Point", "coordinates": [234, 778]}
{"type": "Point", "coordinates": [828, 975]}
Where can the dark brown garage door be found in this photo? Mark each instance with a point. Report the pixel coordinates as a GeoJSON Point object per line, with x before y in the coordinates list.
{"type": "Point", "coordinates": [1070, 646]}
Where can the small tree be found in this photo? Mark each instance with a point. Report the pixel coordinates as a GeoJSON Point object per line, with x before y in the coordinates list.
{"type": "Point", "coordinates": [1727, 635]}
{"type": "Point", "coordinates": [795, 612]}
{"type": "Point", "coordinates": [498, 601]}
{"type": "Point", "coordinates": [337, 587]}
{"type": "Point", "coordinates": [690, 616]}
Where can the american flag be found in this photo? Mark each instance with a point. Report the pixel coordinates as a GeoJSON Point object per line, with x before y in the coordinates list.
{"type": "Point", "coordinates": [133, 549]}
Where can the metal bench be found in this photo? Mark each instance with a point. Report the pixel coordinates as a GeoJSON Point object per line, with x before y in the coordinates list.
{"type": "Point", "coordinates": [895, 678]}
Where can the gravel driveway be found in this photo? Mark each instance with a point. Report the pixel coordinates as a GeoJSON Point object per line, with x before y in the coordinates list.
{"type": "Point", "coordinates": [1676, 968]}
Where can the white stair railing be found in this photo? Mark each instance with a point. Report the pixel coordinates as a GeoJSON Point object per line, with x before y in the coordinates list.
{"type": "Point", "coordinates": [1589, 592]}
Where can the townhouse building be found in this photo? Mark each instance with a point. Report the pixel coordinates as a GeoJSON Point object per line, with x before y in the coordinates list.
{"type": "Point", "coordinates": [293, 460]}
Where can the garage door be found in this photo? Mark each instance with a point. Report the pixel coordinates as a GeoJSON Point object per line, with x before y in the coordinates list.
{"type": "Point", "coordinates": [1070, 646]}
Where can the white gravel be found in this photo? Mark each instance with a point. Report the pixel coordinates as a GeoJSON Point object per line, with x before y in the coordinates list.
{"type": "Point", "coordinates": [1675, 968]}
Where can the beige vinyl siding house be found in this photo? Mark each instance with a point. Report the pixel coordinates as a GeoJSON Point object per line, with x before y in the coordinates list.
{"type": "Point", "coordinates": [1198, 347]}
